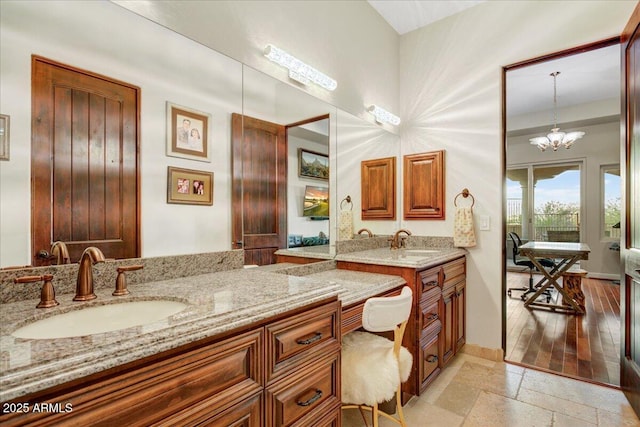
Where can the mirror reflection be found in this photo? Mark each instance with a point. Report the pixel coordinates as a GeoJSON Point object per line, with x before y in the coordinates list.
{"type": "Point", "coordinates": [219, 88]}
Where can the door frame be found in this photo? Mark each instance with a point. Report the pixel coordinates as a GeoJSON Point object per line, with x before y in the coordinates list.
{"type": "Point", "coordinates": [556, 55]}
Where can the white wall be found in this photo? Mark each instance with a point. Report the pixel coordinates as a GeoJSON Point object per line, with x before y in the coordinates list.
{"type": "Point", "coordinates": [296, 223]}
{"type": "Point", "coordinates": [97, 36]}
{"type": "Point", "coordinates": [347, 40]}
{"type": "Point", "coordinates": [450, 98]}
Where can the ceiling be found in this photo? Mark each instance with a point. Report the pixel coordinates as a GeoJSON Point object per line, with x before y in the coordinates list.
{"type": "Point", "coordinates": [585, 77]}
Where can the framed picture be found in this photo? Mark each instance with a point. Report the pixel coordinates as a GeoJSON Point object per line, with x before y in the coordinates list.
{"type": "Point", "coordinates": [187, 133]}
{"type": "Point", "coordinates": [189, 187]}
{"type": "Point", "coordinates": [312, 164]}
{"type": "Point", "coordinates": [4, 137]}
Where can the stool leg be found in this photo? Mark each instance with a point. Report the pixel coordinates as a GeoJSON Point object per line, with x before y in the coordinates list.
{"type": "Point", "coordinates": [374, 412]}
{"type": "Point", "coordinates": [399, 407]}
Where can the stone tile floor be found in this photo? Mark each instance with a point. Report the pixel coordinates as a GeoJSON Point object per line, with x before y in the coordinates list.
{"type": "Point", "coordinates": [473, 391]}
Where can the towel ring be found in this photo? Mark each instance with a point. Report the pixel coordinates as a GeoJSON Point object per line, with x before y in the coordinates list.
{"type": "Point", "coordinates": [465, 193]}
{"type": "Point", "coordinates": [348, 200]}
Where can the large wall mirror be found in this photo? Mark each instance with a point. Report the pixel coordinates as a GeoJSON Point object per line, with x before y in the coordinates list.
{"type": "Point", "coordinates": [211, 83]}
{"type": "Point", "coordinates": [566, 195]}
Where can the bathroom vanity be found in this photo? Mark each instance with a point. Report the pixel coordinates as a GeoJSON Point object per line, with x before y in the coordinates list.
{"type": "Point", "coordinates": [436, 330]}
{"type": "Point", "coordinates": [255, 347]}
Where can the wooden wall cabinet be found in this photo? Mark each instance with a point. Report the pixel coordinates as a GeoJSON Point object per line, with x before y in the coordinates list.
{"type": "Point", "coordinates": [284, 372]}
{"type": "Point", "coordinates": [378, 180]}
{"type": "Point", "coordinates": [423, 185]}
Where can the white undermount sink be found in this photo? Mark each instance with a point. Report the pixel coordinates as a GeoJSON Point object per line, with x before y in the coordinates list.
{"type": "Point", "coordinates": [97, 319]}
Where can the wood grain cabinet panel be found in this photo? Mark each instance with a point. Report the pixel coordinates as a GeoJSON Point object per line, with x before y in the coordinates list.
{"type": "Point", "coordinates": [218, 381]}
{"type": "Point", "coordinates": [296, 340]}
{"type": "Point", "coordinates": [378, 188]}
{"type": "Point", "coordinates": [423, 186]}
{"type": "Point", "coordinates": [305, 396]}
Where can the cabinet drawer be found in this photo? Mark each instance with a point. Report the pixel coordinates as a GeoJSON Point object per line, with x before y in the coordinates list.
{"type": "Point", "coordinates": [428, 359]}
{"type": "Point", "coordinates": [428, 314]}
{"type": "Point", "coordinates": [304, 397]}
{"type": "Point", "coordinates": [300, 338]}
{"type": "Point", "coordinates": [210, 378]}
{"type": "Point", "coordinates": [454, 272]}
{"type": "Point", "coordinates": [428, 279]}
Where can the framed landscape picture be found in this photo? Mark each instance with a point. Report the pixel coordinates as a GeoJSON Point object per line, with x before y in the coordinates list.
{"type": "Point", "coordinates": [189, 187]}
{"type": "Point", "coordinates": [312, 164]}
{"type": "Point", "coordinates": [187, 133]}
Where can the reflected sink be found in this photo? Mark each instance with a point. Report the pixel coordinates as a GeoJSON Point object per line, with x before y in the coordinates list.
{"type": "Point", "coordinates": [97, 319]}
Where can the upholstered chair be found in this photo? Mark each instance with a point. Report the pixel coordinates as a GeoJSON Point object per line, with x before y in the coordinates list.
{"type": "Point", "coordinates": [374, 367]}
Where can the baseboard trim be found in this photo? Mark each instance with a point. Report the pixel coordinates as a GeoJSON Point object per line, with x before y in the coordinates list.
{"type": "Point", "coordinates": [604, 276]}
{"type": "Point", "coordinates": [493, 354]}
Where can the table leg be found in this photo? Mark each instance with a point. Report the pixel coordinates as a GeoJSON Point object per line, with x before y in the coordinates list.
{"type": "Point", "coordinates": [551, 280]}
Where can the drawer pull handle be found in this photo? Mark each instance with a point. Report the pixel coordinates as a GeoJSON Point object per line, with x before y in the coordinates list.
{"type": "Point", "coordinates": [432, 316]}
{"type": "Point", "coordinates": [316, 337]}
{"type": "Point", "coordinates": [313, 398]}
{"type": "Point", "coordinates": [431, 283]}
{"type": "Point", "coordinates": [432, 358]}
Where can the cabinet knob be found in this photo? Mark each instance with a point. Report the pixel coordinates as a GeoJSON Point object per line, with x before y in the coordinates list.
{"type": "Point", "coordinates": [432, 358]}
{"type": "Point", "coordinates": [432, 316]}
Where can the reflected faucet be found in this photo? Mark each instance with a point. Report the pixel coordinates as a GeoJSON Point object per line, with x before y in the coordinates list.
{"type": "Point", "coordinates": [84, 284]}
{"type": "Point", "coordinates": [365, 230]}
{"type": "Point", "coordinates": [60, 252]}
{"type": "Point", "coordinates": [397, 241]}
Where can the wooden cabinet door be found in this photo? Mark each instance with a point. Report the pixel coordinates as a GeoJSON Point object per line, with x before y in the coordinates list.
{"type": "Point", "coordinates": [460, 315]}
{"type": "Point", "coordinates": [378, 188]}
{"type": "Point", "coordinates": [423, 185]}
{"type": "Point", "coordinates": [448, 320]}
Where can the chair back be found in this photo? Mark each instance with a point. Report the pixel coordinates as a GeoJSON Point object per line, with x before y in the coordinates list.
{"type": "Point", "coordinates": [382, 314]}
{"type": "Point", "coordinates": [516, 244]}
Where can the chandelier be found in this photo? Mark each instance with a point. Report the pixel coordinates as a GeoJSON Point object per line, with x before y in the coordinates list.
{"type": "Point", "coordinates": [556, 139]}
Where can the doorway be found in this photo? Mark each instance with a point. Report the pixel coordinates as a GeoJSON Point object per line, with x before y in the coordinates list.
{"type": "Point", "coordinates": [557, 196]}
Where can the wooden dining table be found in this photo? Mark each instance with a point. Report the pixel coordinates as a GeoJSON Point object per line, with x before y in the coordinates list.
{"type": "Point", "coordinates": [565, 255]}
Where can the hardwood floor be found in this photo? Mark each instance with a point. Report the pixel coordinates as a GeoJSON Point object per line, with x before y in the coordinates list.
{"type": "Point", "coordinates": [585, 347]}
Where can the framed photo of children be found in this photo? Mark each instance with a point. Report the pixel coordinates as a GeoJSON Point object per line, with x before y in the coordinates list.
{"type": "Point", "coordinates": [189, 187]}
{"type": "Point", "coordinates": [187, 133]}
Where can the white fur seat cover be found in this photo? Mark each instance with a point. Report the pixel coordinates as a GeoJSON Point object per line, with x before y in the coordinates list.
{"type": "Point", "coordinates": [369, 369]}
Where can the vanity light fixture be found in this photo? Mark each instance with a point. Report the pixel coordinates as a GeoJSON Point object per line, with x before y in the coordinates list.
{"type": "Point", "coordinates": [298, 70]}
{"type": "Point", "coordinates": [556, 139]}
{"type": "Point", "coordinates": [383, 116]}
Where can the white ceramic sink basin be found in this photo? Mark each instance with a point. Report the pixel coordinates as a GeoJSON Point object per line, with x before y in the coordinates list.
{"type": "Point", "coordinates": [100, 318]}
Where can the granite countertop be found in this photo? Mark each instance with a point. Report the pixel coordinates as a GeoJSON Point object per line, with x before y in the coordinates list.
{"type": "Point", "coordinates": [320, 252]}
{"type": "Point", "coordinates": [216, 303]}
{"type": "Point", "coordinates": [356, 286]}
{"type": "Point", "coordinates": [417, 258]}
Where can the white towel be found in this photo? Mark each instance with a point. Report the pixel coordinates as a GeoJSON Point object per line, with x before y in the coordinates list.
{"type": "Point", "coordinates": [463, 234]}
{"type": "Point", "coordinates": [345, 225]}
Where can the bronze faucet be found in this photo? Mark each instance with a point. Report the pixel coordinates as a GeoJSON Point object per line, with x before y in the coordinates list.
{"type": "Point", "coordinates": [396, 241]}
{"type": "Point", "coordinates": [60, 252]}
{"type": "Point", "coordinates": [365, 230]}
{"type": "Point", "coordinates": [84, 284]}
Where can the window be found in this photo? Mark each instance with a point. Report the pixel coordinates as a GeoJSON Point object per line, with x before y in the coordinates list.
{"type": "Point", "coordinates": [611, 202]}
